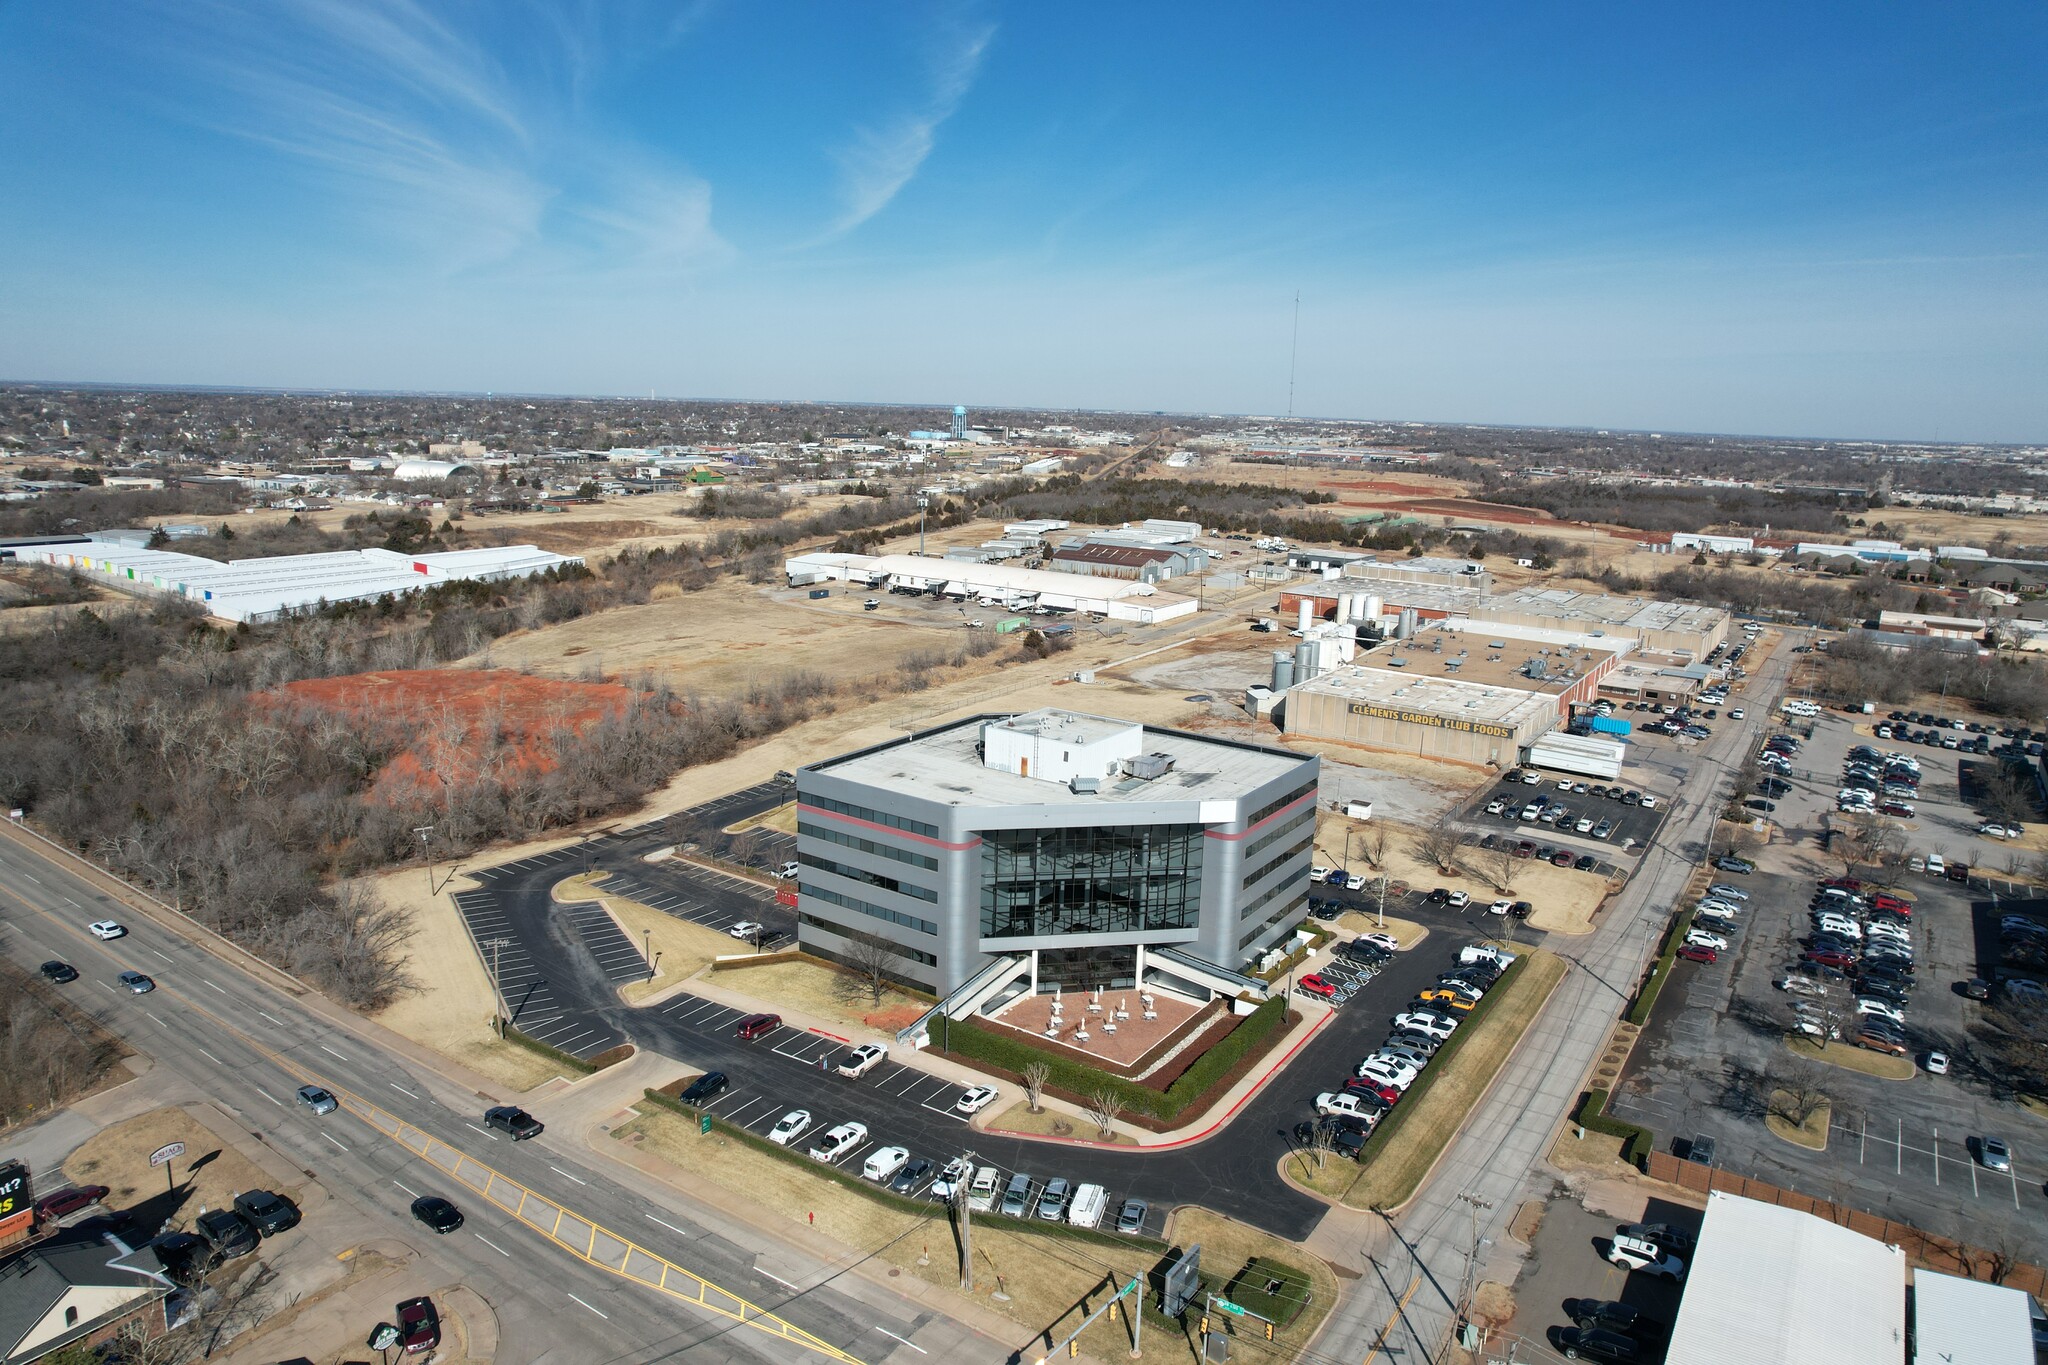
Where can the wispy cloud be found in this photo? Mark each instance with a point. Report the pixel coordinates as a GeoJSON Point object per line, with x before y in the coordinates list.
{"type": "Point", "coordinates": [883, 157]}
{"type": "Point", "coordinates": [428, 138]}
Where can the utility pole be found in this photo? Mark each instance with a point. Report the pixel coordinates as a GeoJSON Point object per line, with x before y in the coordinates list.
{"type": "Point", "coordinates": [647, 950]}
{"type": "Point", "coordinates": [923, 502]}
{"type": "Point", "coordinates": [497, 987]}
{"type": "Point", "coordinates": [427, 851]}
{"type": "Point", "coordinates": [1474, 1203]}
{"type": "Point", "coordinates": [966, 1213]}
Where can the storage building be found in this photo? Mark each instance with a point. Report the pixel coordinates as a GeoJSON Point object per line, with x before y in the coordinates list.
{"type": "Point", "coordinates": [1667, 627]}
{"type": "Point", "coordinates": [1117, 599]}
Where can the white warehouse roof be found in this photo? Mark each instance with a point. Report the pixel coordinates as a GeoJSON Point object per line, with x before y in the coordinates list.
{"type": "Point", "coordinates": [264, 588]}
{"type": "Point", "coordinates": [1773, 1284]}
{"type": "Point", "coordinates": [1122, 599]}
{"type": "Point", "coordinates": [1969, 1322]}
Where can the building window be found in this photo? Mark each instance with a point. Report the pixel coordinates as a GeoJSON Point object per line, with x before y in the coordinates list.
{"type": "Point", "coordinates": [70, 1315]}
{"type": "Point", "coordinates": [1292, 907]}
{"type": "Point", "coordinates": [855, 842]}
{"type": "Point", "coordinates": [827, 926]}
{"type": "Point", "coordinates": [1294, 850]}
{"type": "Point", "coordinates": [1277, 803]}
{"type": "Point", "coordinates": [1281, 831]}
{"type": "Point", "coordinates": [874, 817]}
{"type": "Point", "coordinates": [878, 880]}
{"type": "Point", "coordinates": [923, 926]}
{"type": "Point", "coordinates": [1104, 880]}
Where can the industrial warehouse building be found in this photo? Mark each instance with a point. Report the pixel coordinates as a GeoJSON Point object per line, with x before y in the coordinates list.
{"type": "Point", "coordinates": [997, 584]}
{"type": "Point", "coordinates": [267, 588]}
{"type": "Point", "coordinates": [1424, 570]}
{"type": "Point", "coordinates": [1074, 851]}
{"type": "Point", "coordinates": [1429, 601]}
{"type": "Point", "coordinates": [1464, 693]}
{"type": "Point", "coordinates": [1666, 627]}
{"type": "Point", "coordinates": [1146, 563]}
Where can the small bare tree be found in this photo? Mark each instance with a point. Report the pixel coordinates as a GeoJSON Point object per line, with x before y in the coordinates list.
{"type": "Point", "coordinates": [1439, 846]}
{"type": "Point", "coordinates": [1322, 1141]}
{"type": "Point", "coordinates": [1104, 1107]}
{"type": "Point", "coordinates": [868, 959]}
{"type": "Point", "coordinates": [1502, 867]}
{"type": "Point", "coordinates": [1373, 844]}
{"type": "Point", "coordinates": [1796, 1095]}
{"type": "Point", "coordinates": [1035, 1075]}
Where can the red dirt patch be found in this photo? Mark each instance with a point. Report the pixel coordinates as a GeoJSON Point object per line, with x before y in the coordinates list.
{"type": "Point", "coordinates": [452, 725]}
{"type": "Point", "coordinates": [1478, 511]}
{"type": "Point", "coordinates": [893, 1018]}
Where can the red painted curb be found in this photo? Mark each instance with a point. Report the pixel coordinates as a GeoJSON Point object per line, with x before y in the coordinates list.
{"type": "Point", "coordinates": [833, 1036]}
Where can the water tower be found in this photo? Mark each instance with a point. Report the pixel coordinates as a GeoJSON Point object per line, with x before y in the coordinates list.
{"type": "Point", "coordinates": [959, 423]}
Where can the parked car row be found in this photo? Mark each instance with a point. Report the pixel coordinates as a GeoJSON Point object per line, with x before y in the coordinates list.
{"type": "Point", "coordinates": [1715, 922]}
{"type": "Point", "coordinates": [1878, 782]}
{"type": "Point", "coordinates": [1607, 1330]}
{"type": "Point", "coordinates": [1382, 1078]}
{"type": "Point", "coordinates": [1950, 733]}
{"type": "Point", "coordinates": [1352, 965]}
{"type": "Point", "coordinates": [1860, 944]}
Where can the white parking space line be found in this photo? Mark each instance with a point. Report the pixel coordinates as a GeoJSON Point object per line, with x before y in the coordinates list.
{"type": "Point", "coordinates": [508, 1256]}
{"type": "Point", "coordinates": [905, 1340]}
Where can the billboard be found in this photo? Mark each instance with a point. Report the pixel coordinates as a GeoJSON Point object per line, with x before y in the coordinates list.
{"type": "Point", "coordinates": [17, 1209]}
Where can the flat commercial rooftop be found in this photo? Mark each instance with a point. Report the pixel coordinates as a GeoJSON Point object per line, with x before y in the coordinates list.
{"type": "Point", "coordinates": [1638, 613]}
{"type": "Point", "coordinates": [1479, 658]}
{"type": "Point", "coordinates": [942, 766]}
{"type": "Point", "coordinates": [1771, 1283]}
{"type": "Point", "coordinates": [1969, 1322]}
{"type": "Point", "coordinates": [1434, 694]}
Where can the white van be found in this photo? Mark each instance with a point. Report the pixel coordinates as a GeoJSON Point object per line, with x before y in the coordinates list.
{"type": "Point", "coordinates": [1482, 953]}
{"type": "Point", "coordinates": [981, 1195]}
{"type": "Point", "coordinates": [1086, 1210]}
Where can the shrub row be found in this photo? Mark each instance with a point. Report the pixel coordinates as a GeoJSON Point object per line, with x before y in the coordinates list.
{"type": "Point", "coordinates": [1440, 1064]}
{"type": "Point", "coordinates": [1660, 969]}
{"type": "Point", "coordinates": [1077, 1081]}
{"type": "Point", "coordinates": [1592, 1116]}
{"type": "Point", "coordinates": [921, 1208]}
{"type": "Point", "coordinates": [609, 1057]}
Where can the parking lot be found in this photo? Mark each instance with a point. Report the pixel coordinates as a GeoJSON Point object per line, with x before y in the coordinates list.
{"type": "Point", "coordinates": [1630, 828]}
{"type": "Point", "coordinates": [706, 896]}
{"type": "Point", "coordinates": [1567, 1269]}
{"type": "Point", "coordinates": [1714, 1047]}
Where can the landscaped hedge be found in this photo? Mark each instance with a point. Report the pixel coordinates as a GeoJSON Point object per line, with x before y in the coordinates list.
{"type": "Point", "coordinates": [1592, 1116]}
{"type": "Point", "coordinates": [1653, 983]}
{"type": "Point", "coordinates": [609, 1057]}
{"type": "Point", "coordinates": [922, 1208]}
{"type": "Point", "coordinates": [1073, 1080]}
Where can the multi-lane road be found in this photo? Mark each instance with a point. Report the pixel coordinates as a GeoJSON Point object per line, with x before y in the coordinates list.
{"type": "Point", "coordinates": [249, 1045]}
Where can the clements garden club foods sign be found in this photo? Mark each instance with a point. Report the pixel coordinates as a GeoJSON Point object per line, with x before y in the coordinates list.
{"type": "Point", "coordinates": [1473, 727]}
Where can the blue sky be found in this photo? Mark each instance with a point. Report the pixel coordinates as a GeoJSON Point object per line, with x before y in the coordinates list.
{"type": "Point", "coordinates": [1809, 219]}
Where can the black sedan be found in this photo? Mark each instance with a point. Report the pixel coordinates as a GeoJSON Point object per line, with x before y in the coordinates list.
{"type": "Point", "coordinates": [1594, 1343]}
{"type": "Point", "coordinates": [704, 1087]}
{"type": "Point", "coordinates": [437, 1213]}
{"type": "Point", "coordinates": [60, 972]}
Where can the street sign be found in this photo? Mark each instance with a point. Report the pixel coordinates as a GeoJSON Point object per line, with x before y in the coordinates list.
{"type": "Point", "coordinates": [1183, 1279]}
{"type": "Point", "coordinates": [1226, 1306]}
{"type": "Point", "coordinates": [170, 1151]}
{"type": "Point", "coordinates": [383, 1337]}
{"type": "Point", "coordinates": [704, 1123]}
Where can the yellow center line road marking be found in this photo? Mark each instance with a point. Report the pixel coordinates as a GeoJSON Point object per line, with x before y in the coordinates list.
{"type": "Point", "coordinates": [1379, 1341]}
{"type": "Point", "coordinates": [569, 1232]}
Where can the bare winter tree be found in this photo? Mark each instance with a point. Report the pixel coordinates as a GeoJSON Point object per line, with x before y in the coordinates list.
{"type": "Point", "coordinates": [1439, 846]}
{"type": "Point", "coordinates": [1796, 1095]}
{"type": "Point", "coordinates": [1035, 1075]}
{"type": "Point", "coordinates": [1373, 844]}
{"type": "Point", "coordinates": [1322, 1141]}
{"type": "Point", "coordinates": [1501, 867]}
{"type": "Point", "coordinates": [1104, 1106]}
{"type": "Point", "coordinates": [2010, 796]}
{"type": "Point", "coordinates": [869, 959]}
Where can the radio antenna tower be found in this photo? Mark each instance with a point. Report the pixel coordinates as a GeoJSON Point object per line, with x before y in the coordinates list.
{"type": "Point", "coordinates": [1293, 350]}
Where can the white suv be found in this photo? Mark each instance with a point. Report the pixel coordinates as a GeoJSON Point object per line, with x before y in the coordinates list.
{"type": "Point", "coordinates": [1632, 1253]}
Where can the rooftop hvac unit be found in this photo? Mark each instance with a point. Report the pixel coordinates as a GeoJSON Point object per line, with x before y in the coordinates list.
{"type": "Point", "coordinates": [1397, 663]}
{"type": "Point", "coordinates": [1084, 786]}
{"type": "Point", "coordinates": [1148, 767]}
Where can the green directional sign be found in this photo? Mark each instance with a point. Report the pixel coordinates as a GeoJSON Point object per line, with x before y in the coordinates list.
{"type": "Point", "coordinates": [1226, 1306]}
{"type": "Point", "coordinates": [704, 1123]}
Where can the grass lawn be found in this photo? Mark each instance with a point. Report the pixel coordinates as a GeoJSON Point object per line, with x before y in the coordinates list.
{"type": "Point", "coordinates": [816, 988]}
{"type": "Point", "coordinates": [1053, 1283]}
{"type": "Point", "coordinates": [118, 1157]}
{"type": "Point", "coordinates": [685, 948]}
{"type": "Point", "coordinates": [1018, 1118]}
{"type": "Point", "coordinates": [1852, 1058]}
{"type": "Point", "coordinates": [782, 818]}
{"type": "Point", "coordinates": [1422, 1125]}
{"type": "Point", "coordinates": [1812, 1134]}
{"type": "Point", "coordinates": [1228, 1247]}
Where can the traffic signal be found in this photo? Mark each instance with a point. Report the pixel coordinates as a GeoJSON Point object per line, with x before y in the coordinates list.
{"type": "Point", "coordinates": [1269, 1331]}
{"type": "Point", "coordinates": [1205, 1324]}
{"type": "Point", "coordinates": [1074, 1347]}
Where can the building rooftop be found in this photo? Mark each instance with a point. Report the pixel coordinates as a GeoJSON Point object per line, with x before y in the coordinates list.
{"type": "Point", "coordinates": [1478, 657]}
{"type": "Point", "coordinates": [1435, 693]}
{"type": "Point", "coordinates": [1395, 594]}
{"type": "Point", "coordinates": [943, 766]}
{"type": "Point", "coordinates": [1760, 1277]}
{"type": "Point", "coordinates": [1123, 556]}
{"type": "Point", "coordinates": [1609, 609]}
